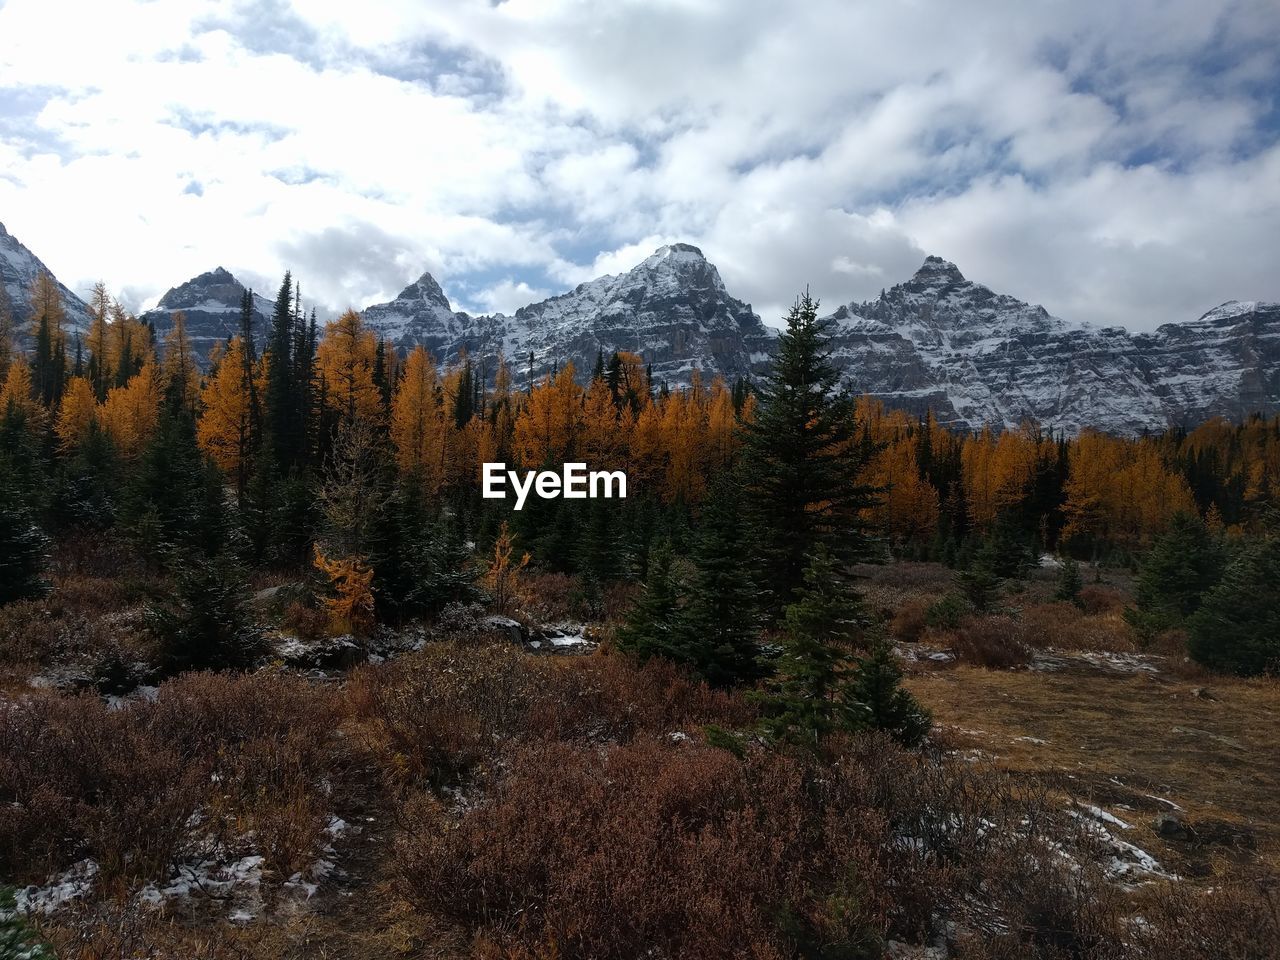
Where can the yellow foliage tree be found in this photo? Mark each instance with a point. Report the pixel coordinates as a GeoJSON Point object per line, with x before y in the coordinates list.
{"type": "Point", "coordinates": [549, 426]}
{"type": "Point", "coordinates": [503, 575]}
{"type": "Point", "coordinates": [226, 427]}
{"type": "Point", "coordinates": [345, 359]}
{"type": "Point", "coordinates": [77, 414]}
{"type": "Point", "coordinates": [17, 392]}
{"type": "Point", "coordinates": [417, 421]}
{"type": "Point", "coordinates": [350, 609]}
{"type": "Point", "coordinates": [129, 415]}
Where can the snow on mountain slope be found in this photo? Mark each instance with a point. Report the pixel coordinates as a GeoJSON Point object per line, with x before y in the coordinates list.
{"type": "Point", "coordinates": [18, 268]}
{"type": "Point", "coordinates": [672, 309]}
{"type": "Point", "coordinates": [211, 303]}
{"type": "Point", "coordinates": [937, 341]}
{"type": "Point", "coordinates": [980, 358]}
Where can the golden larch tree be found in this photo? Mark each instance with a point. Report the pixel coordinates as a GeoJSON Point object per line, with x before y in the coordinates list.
{"type": "Point", "coordinates": [345, 359]}
{"type": "Point", "coordinates": [77, 414]}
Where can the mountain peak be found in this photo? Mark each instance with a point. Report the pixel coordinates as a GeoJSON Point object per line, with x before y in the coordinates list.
{"type": "Point", "coordinates": [218, 285]}
{"type": "Point", "coordinates": [677, 253]}
{"type": "Point", "coordinates": [935, 271]}
{"type": "Point", "coordinates": [426, 290]}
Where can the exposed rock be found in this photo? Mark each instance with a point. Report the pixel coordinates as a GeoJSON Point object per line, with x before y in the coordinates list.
{"type": "Point", "coordinates": [1170, 827]}
{"type": "Point", "coordinates": [18, 268]}
{"type": "Point", "coordinates": [211, 304]}
{"type": "Point", "coordinates": [672, 310]}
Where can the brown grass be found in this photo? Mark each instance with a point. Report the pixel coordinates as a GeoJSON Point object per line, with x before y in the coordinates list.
{"type": "Point", "coordinates": [1115, 739]}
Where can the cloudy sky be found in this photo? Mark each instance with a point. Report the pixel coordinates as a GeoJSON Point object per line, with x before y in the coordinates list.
{"type": "Point", "coordinates": [1118, 162]}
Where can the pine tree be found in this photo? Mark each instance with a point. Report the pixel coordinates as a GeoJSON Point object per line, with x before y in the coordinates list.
{"type": "Point", "coordinates": [721, 619]}
{"type": "Point", "coordinates": [803, 458]}
{"type": "Point", "coordinates": [877, 697]}
{"type": "Point", "coordinates": [204, 622]}
{"type": "Point", "coordinates": [280, 415]}
{"type": "Point", "coordinates": [1181, 567]}
{"type": "Point", "coordinates": [1069, 581]}
{"type": "Point", "coordinates": [420, 563]}
{"type": "Point", "coordinates": [7, 345]}
{"type": "Point", "coordinates": [1008, 552]}
{"type": "Point", "coordinates": [24, 549]}
{"type": "Point", "coordinates": [978, 581]}
{"type": "Point", "coordinates": [1236, 627]}
{"type": "Point", "coordinates": [654, 627]}
{"type": "Point", "coordinates": [807, 701]}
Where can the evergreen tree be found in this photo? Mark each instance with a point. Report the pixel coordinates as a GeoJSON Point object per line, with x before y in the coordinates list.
{"type": "Point", "coordinates": [721, 619]}
{"type": "Point", "coordinates": [1007, 549]}
{"type": "Point", "coordinates": [281, 420]}
{"type": "Point", "coordinates": [803, 459]}
{"type": "Point", "coordinates": [654, 627]}
{"type": "Point", "coordinates": [43, 376]}
{"type": "Point", "coordinates": [204, 622]}
{"type": "Point", "coordinates": [1069, 581]}
{"type": "Point", "coordinates": [1180, 568]}
{"type": "Point", "coordinates": [878, 700]}
{"type": "Point", "coordinates": [24, 549]}
{"type": "Point", "coordinates": [599, 548]}
{"type": "Point", "coordinates": [809, 700]}
{"type": "Point", "coordinates": [978, 581]}
{"type": "Point", "coordinates": [174, 498]}
{"type": "Point", "coordinates": [420, 563]}
{"type": "Point", "coordinates": [1236, 626]}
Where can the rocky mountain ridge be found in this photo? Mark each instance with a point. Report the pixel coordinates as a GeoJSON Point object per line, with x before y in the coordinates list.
{"type": "Point", "coordinates": [937, 341]}
{"type": "Point", "coordinates": [18, 268]}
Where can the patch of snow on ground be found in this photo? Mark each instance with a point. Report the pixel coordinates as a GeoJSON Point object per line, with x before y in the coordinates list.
{"type": "Point", "coordinates": [1128, 861]}
{"type": "Point", "coordinates": [1099, 814]}
{"type": "Point", "coordinates": [237, 881]}
{"type": "Point", "coordinates": [58, 891]}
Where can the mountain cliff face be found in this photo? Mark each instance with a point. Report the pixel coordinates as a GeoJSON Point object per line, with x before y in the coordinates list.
{"type": "Point", "coordinates": [980, 358]}
{"type": "Point", "coordinates": [18, 267]}
{"type": "Point", "coordinates": [938, 341]}
{"type": "Point", "coordinates": [211, 303]}
{"type": "Point", "coordinates": [672, 309]}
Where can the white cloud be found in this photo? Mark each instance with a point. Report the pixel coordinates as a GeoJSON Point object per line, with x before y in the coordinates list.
{"type": "Point", "coordinates": [1115, 161]}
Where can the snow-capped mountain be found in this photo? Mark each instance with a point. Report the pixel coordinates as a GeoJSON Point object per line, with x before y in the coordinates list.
{"type": "Point", "coordinates": [672, 309]}
{"type": "Point", "coordinates": [18, 268]}
{"type": "Point", "coordinates": [980, 358]}
{"type": "Point", "coordinates": [211, 303]}
{"type": "Point", "coordinates": [937, 341]}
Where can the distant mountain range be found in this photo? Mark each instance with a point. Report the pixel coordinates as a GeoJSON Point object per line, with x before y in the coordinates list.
{"type": "Point", "coordinates": [937, 341]}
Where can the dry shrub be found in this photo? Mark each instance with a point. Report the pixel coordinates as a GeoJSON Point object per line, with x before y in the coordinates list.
{"type": "Point", "coordinates": [112, 929]}
{"type": "Point", "coordinates": [619, 598]}
{"type": "Point", "coordinates": [271, 747]}
{"type": "Point", "coordinates": [678, 851]}
{"type": "Point", "coordinates": [548, 597]}
{"type": "Point", "coordinates": [305, 620]}
{"type": "Point", "coordinates": [1231, 920]}
{"type": "Point", "coordinates": [910, 621]}
{"type": "Point", "coordinates": [91, 554]}
{"type": "Point", "coordinates": [1096, 598]}
{"type": "Point", "coordinates": [1064, 626]}
{"type": "Point", "coordinates": [438, 713]}
{"type": "Point", "coordinates": [997, 643]}
{"type": "Point", "coordinates": [119, 786]}
{"type": "Point", "coordinates": [611, 698]}
{"type": "Point", "coordinates": [79, 780]}
{"type": "Point", "coordinates": [85, 622]}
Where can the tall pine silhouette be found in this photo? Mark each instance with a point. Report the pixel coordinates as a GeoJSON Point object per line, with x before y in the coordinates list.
{"type": "Point", "coordinates": [803, 457]}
